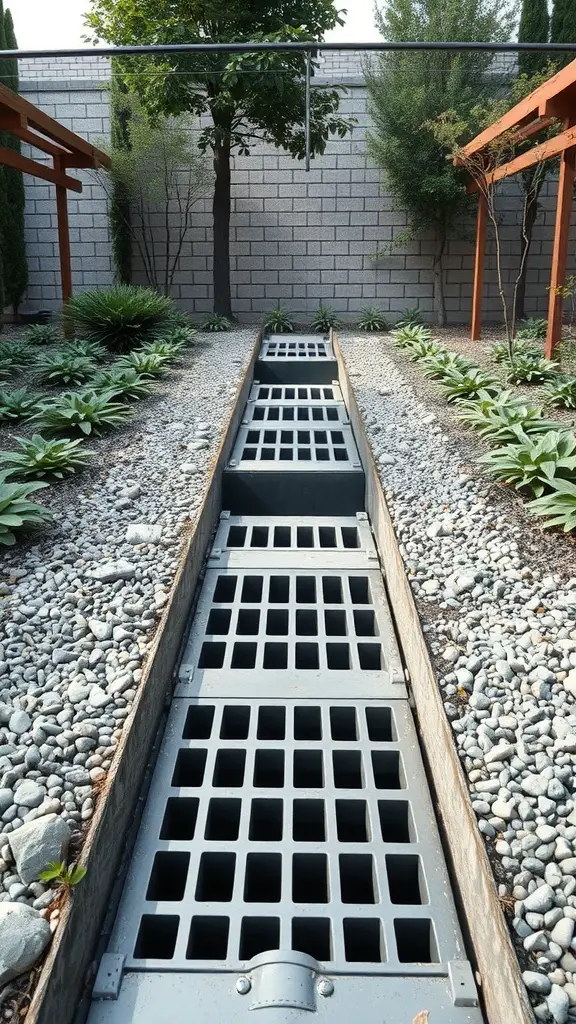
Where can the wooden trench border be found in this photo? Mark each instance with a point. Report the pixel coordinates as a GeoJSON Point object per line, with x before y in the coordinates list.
{"type": "Point", "coordinates": [485, 929]}
{"type": "Point", "coordinates": [63, 976]}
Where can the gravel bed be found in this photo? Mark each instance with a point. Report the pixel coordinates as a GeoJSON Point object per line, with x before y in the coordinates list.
{"type": "Point", "coordinates": [80, 603]}
{"type": "Point", "coordinates": [501, 628]}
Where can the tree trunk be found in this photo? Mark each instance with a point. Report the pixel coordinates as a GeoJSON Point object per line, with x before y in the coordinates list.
{"type": "Point", "coordinates": [221, 221]}
{"type": "Point", "coordinates": [525, 243]}
{"type": "Point", "coordinates": [439, 297]}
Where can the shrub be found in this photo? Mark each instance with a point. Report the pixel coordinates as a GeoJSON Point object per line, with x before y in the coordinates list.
{"type": "Point", "coordinates": [151, 363]}
{"type": "Point", "coordinates": [179, 335]}
{"type": "Point", "coordinates": [278, 321]}
{"type": "Point", "coordinates": [120, 317]}
{"type": "Point", "coordinates": [424, 349]}
{"type": "Point", "coordinates": [411, 333]}
{"type": "Point", "coordinates": [561, 392]}
{"type": "Point", "coordinates": [14, 358]}
{"type": "Point", "coordinates": [84, 347]}
{"type": "Point", "coordinates": [123, 382]}
{"type": "Point", "coordinates": [19, 404]}
{"type": "Point", "coordinates": [532, 328]}
{"type": "Point", "coordinates": [373, 319]}
{"type": "Point", "coordinates": [457, 385]}
{"type": "Point", "coordinates": [41, 334]}
{"type": "Point", "coordinates": [324, 318]}
{"type": "Point", "coordinates": [64, 368]}
{"type": "Point", "coordinates": [86, 412]}
{"type": "Point", "coordinates": [559, 505]}
{"type": "Point", "coordinates": [533, 462]}
{"type": "Point", "coordinates": [441, 363]}
{"type": "Point", "coordinates": [497, 418]}
{"type": "Point", "coordinates": [216, 323]}
{"type": "Point", "coordinates": [16, 512]}
{"type": "Point", "coordinates": [501, 354]}
{"type": "Point", "coordinates": [411, 317]}
{"type": "Point", "coordinates": [169, 350]}
{"type": "Point", "coordinates": [39, 457]}
{"type": "Point", "coordinates": [528, 369]}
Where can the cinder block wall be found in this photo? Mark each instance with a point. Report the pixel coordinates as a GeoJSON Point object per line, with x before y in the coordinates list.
{"type": "Point", "coordinates": [297, 238]}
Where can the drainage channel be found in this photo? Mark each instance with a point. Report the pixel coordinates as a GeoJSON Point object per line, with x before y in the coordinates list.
{"type": "Point", "coordinates": [288, 859]}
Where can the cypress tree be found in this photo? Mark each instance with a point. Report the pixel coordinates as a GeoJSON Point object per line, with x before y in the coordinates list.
{"type": "Point", "coordinates": [119, 206]}
{"type": "Point", "coordinates": [534, 28]}
{"type": "Point", "coordinates": [3, 202]}
{"type": "Point", "coordinates": [563, 28]}
{"type": "Point", "coordinates": [15, 267]}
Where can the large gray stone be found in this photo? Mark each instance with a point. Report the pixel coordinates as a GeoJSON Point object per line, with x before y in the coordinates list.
{"type": "Point", "coordinates": [37, 844]}
{"type": "Point", "coordinates": [24, 935]}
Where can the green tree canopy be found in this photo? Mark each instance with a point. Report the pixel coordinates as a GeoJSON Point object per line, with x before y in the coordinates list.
{"type": "Point", "coordinates": [534, 28]}
{"type": "Point", "coordinates": [409, 90]}
{"type": "Point", "coordinates": [563, 26]}
{"type": "Point", "coordinates": [15, 266]}
{"type": "Point", "coordinates": [250, 97]}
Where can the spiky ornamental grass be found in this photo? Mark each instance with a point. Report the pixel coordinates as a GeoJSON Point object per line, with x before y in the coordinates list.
{"type": "Point", "coordinates": [14, 358]}
{"type": "Point", "coordinates": [215, 323]}
{"type": "Point", "coordinates": [278, 321]}
{"type": "Point", "coordinates": [411, 317]}
{"type": "Point", "coordinates": [324, 319]}
{"type": "Point", "coordinates": [41, 334]}
{"type": "Point", "coordinates": [85, 412]}
{"type": "Point", "coordinates": [121, 317]}
{"type": "Point", "coordinates": [17, 513]}
{"type": "Point", "coordinates": [372, 318]}
{"type": "Point", "coordinates": [39, 457]}
{"type": "Point", "coordinates": [533, 463]}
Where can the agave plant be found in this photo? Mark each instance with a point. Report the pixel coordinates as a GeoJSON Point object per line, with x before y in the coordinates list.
{"type": "Point", "coordinates": [123, 382]}
{"type": "Point", "coordinates": [120, 317]}
{"type": "Point", "coordinates": [63, 368]}
{"type": "Point", "coordinates": [527, 369]}
{"type": "Point", "coordinates": [86, 412]}
{"type": "Point", "coordinates": [561, 392]}
{"type": "Point", "coordinates": [497, 418]}
{"type": "Point", "coordinates": [532, 328]}
{"type": "Point", "coordinates": [41, 334]}
{"type": "Point", "coordinates": [216, 323]}
{"type": "Point", "coordinates": [324, 319]}
{"type": "Point", "coordinates": [150, 363]}
{"type": "Point", "coordinates": [500, 350]}
{"type": "Point", "coordinates": [169, 350]}
{"type": "Point", "coordinates": [403, 337]}
{"type": "Point", "coordinates": [372, 319]}
{"type": "Point", "coordinates": [534, 462]}
{"type": "Point", "coordinates": [278, 321]}
{"type": "Point", "coordinates": [424, 349]}
{"type": "Point", "coordinates": [19, 404]}
{"type": "Point", "coordinates": [14, 358]}
{"type": "Point", "coordinates": [39, 457]}
{"type": "Point", "coordinates": [445, 362]}
{"type": "Point", "coordinates": [457, 385]}
{"type": "Point", "coordinates": [16, 512]}
{"type": "Point", "coordinates": [559, 506]}
{"type": "Point", "coordinates": [411, 317]}
{"type": "Point", "coordinates": [180, 334]}
{"type": "Point", "coordinates": [84, 347]}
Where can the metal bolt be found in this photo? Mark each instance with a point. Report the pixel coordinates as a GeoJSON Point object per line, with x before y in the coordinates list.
{"type": "Point", "coordinates": [243, 986]}
{"type": "Point", "coordinates": [325, 987]}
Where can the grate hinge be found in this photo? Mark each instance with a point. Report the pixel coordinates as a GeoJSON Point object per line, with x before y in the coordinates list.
{"type": "Point", "coordinates": [462, 982]}
{"type": "Point", "coordinates": [109, 977]}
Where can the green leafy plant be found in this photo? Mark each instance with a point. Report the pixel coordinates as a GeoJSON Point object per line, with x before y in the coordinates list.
{"type": "Point", "coordinates": [84, 347]}
{"type": "Point", "coordinates": [86, 412]}
{"type": "Point", "coordinates": [457, 385]}
{"type": "Point", "coordinates": [533, 462]}
{"type": "Point", "coordinates": [424, 349]}
{"type": "Point", "coordinates": [64, 368]}
{"type": "Point", "coordinates": [216, 323]}
{"type": "Point", "coordinates": [500, 350]}
{"type": "Point", "coordinates": [559, 506]}
{"type": "Point", "coordinates": [532, 328]}
{"type": "Point", "coordinates": [409, 334]}
{"type": "Point", "coordinates": [527, 369]}
{"type": "Point", "coordinates": [411, 317]}
{"type": "Point", "coordinates": [324, 318]}
{"type": "Point", "coordinates": [64, 874]}
{"type": "Point", "coordinates": [123, 382]}
{"type": "Point", "coordinates": [180, 334]}
{"type": "Point", "coordinates": [119, 317]}
{"type": "Point", "coordinates": [372, 319]}
{"type": "Point", "coordinates": [498, 417]}
{"type": "Point", "coordinates": [39, 457]}
{"type": "Point", "coordinates": [169, 350]}
{"type": "Point", "coordinates": [561, 392]}
{"type": "Point", "coordinates": [151, 363]}
{"type": "Point", "coordinates": [41, 334]}
{"type": "Point", "coordinates": [278, 321]}
{"type": "Point", "coordinates": [19, 404]}
{"type": "Point", "coordinates": [14, 358]}
{"type": "Point", "coordinates": [16, 512]}
{"type": "Point", "coordinates": [440, 364]}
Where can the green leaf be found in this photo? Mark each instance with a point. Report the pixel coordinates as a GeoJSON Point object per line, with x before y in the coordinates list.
{"type": "Point", "coordinates": [76, 873]}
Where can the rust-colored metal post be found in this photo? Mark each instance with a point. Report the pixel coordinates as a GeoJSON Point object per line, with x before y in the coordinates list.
{"type": "Point", "coordinates": [560, 251]}
{"type": "Point", "coordinates": [479, 267]}
{"type": "Point", "coordinates": [64, 242]}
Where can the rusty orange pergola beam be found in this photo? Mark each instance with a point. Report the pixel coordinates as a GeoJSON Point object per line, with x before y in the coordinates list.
{"type": "Point", "coordinates": [67, 151]}
{"type": "Point", "coordinates": [553, 100]}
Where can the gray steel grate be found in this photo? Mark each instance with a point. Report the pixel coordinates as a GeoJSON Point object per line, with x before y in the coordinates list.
{"type": "Point", "coordinates": [295, 449]}
{"type": "Point", "coordinates": [328, 630]}
{"type": "Point", "coordinates": [288, 825]}
{"type": "Point", "coordinates": [300, 347]}
{"type": "Point", "coordinates": [296, 393]}
{"type": "Point", "coordinates": [264, 541]}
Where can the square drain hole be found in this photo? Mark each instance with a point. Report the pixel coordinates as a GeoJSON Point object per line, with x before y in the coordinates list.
{"type": "Point", "coordinates": [415, 941]}
{"type": "Point", "coordinates": [306, 656]}
{"type": "Point", "coordinates": [225, 589]}
{"type": "Point", "coordinates": [198, 724]}
{"type": "Point", "coordinates": [263, 879]}
{"type": "Point", "coordinates": [269, 769]}
{"type": "Point", "coordinates": [307, 723]}
{"type": "Point", "coordinates": [406, 879]}
{"type": "Point", "coordinates": [243, 655]}
{"type": "Point", "coordinates": [357, 880]}
{"type": "Point", "coordinates": [343, 725]}
{"type": "Point", "coordinates": [310, 878]}
{"type": "Point", "coordinates": [218, 622]}
{"type": "Point", "coordinates": [266, 820]}
{"type": "Point", "coordinates": [380, 725]}
{"type": "Point", "coordinates": [208, 938]}
{"type": "Point", "coordinates": [275, 656]}
{"type": "Point", "coordinates": [396, 823]}
{"type": "Point", "coordinates": [257, 935]}
{"type": "Point", "coordinates": [308, 821]}
{"type": "Point", "coordinates": [180, 818]}
{"type": "Point", "coordinates": [347, 766]}
{"type": "Point", "coordinates": [235, 723]}
{"type": "Point", "coordinates": [363, 940]}
{"type": "Point", "coordinates": [223, 819]}
{"type": "Point", "coordinates": [215, 881]}
{"type": "Point", "coordinates": [308, 769]}
{"type": "Point", "coordinates": [386, 767]}
{"type": "Point", "coordinates": [279, 590]}
{"type": "Point", "coordinates": [168, 877]}
{"type": "Point", "coordinates": [352, 822]}
{"type": "Point", "coordinates": [212, 655]}
{"type": "Point", "coordinates": [271, 723]}
{"type": "Point", "coordinates": [229, 769]}
{"type": "Point", "coordinates": [312, 935]}
{"type": "Point", "coordinates": [252, 590]}
{"type": "Point", "coordinates": [156, 937]}
{"type": "Point", "coordinates": [248, 622]}
{"type": "Point", "coordinates": [189, 768]}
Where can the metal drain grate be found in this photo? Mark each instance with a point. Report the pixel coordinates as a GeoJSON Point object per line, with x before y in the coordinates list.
{"type": "Point", "coordinates": [262, 541]}
{"type": "Point", "coordinates": [300, 347]}
{"type": "Point", "coordinates": [302, 449]}
{"type": "Point", "coordinates": [294, 826]}
{"type": "Point", "coordinates": [277, 631]}
{"type": "Point", "coordinates": [296, 393]}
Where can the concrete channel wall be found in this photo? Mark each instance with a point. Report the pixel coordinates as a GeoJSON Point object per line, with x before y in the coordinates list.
{"type": "Point", "coordinates": [297, 238]}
